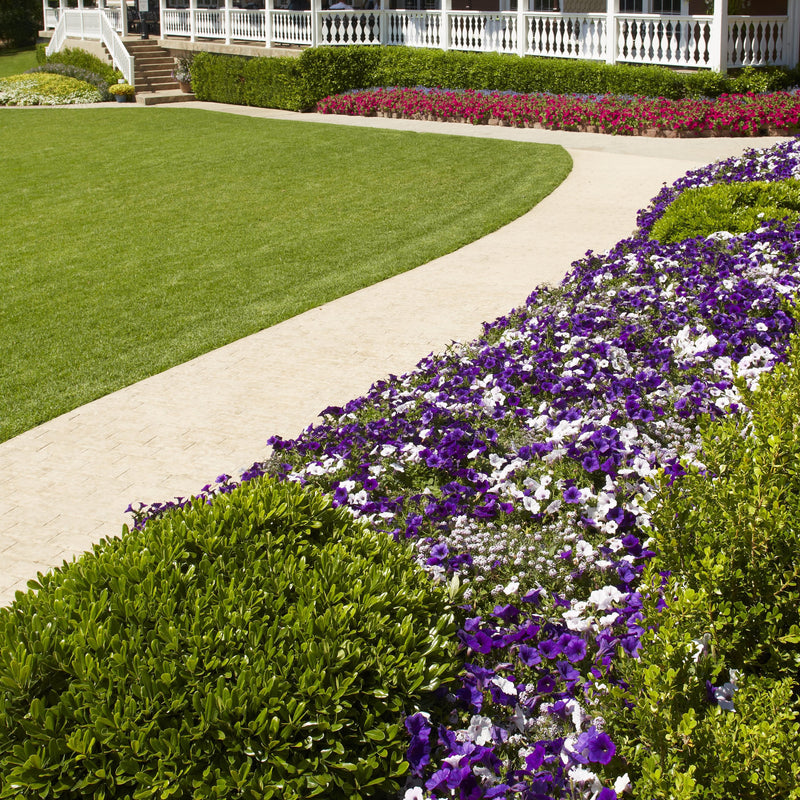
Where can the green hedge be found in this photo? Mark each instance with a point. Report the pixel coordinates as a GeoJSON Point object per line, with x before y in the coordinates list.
{"type": "Point", "coordinates": [298, 83]}
{"type": "Point", "coordinates": [728, 538]}
{"type": "Point", "coordinates": [263, 645]}
{"type": "Point", "coordinates": [733, 207]}
{"type": "Point", "coordinates": [79, 58]}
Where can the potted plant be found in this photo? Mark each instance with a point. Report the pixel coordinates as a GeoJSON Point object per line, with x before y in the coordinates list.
{"type": "Point", "coordinates": [122, 91]}
{"type": "Point", "coordinates": [183, 73]}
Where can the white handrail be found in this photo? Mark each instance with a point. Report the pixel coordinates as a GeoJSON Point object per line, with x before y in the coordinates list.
{"type": "Point", "coordinates": [121, 58]}
{"type": "Point", "coordinates": [59, 35]}
{"type": "Point", "coordinates": [94, 24]}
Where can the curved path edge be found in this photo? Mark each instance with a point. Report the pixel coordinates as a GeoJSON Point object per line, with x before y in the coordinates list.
{"type": "Point", "coordinates": [66, 484]}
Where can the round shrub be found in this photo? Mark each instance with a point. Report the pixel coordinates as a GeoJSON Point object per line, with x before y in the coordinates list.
{"type": "Point", "coordinates": [46, 90]}
{"type": "Point", "coordinates": [261, 645]}
{"type": "Point", "coordinates": [732, 207]}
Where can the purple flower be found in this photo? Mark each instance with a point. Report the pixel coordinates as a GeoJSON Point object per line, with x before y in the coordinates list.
{"type": "Point", "coordinates": [595, 747]}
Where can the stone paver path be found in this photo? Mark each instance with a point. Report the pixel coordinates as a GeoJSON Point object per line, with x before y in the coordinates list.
{"type": "Point", "coordinates": [67, 483]}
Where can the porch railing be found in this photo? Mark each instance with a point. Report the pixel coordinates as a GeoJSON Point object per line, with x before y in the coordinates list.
{"type": "Point", "coordinates": [667, 40]}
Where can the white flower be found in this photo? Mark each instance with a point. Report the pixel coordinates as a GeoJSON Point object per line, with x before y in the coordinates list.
{"type": "Point", "coordinates": [604, 598]}
{"type": "Point", "coordinates": [622, 784]}
{"type": "Point", "coordinates": [480, 730]}
{"type": "Point", "coordinates": [415, 793]}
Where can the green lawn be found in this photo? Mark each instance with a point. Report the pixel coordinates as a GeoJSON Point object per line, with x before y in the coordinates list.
{"type": "Point", "coordinates": [135, 239]}
{"type": "Point", "coordinates": [13, 62]}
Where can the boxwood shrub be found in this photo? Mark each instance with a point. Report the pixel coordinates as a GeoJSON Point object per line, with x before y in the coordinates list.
{"type": "Point", "coordinates": [709, 708]}
{"type": "Point", "coordinates": [262, 645]}
{"type": "Point", "coordinates": [732, 207]}
{"type": "Point", "coordinates": [298, 83]}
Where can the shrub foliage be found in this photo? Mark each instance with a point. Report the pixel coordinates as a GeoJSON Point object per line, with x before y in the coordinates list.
{"type": "Point", "coordinates": [263, 645]}
{"type": "Point", "coordinates": [710, 706]}
{"type": "Point", "coordinates": [298, 83]}
{"type": "Point", "coordinates": [732, 207]}
{"type": "Point", "coordinates": [80, 58]}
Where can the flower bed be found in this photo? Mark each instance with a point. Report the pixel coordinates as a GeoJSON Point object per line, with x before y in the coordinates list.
{"type": "Point", "coordinates": [520, 464]}
{"type": "Point", "coordinates": [728, 115]}
{"type": "Point", "coordinates": [45, 89]}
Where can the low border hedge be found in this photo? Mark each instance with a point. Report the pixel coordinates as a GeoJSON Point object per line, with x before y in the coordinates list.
{"type": "Point", "coordinates": [298, 83]}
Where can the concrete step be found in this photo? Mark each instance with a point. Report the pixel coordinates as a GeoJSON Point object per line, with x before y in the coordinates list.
{"type": "Point", "coordinates": [164, 96]}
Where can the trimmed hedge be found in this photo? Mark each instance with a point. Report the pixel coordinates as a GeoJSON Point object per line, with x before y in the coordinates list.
{"type": "Point", "coordinates": [261, 645]}
{"type": "Point", "coordinates": [298, 83]}
{"type": "Point", "coordinates": [732, 207]}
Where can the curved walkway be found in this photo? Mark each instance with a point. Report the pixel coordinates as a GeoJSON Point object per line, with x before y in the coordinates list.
{"type": "Point", "coordinates": [67, 483]}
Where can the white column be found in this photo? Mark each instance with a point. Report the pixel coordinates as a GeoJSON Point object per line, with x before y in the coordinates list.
{"type": "Point", "coordinates": [382, 16]}
{"type": "Point", "coordinates": [522, 27]}
{"type": "Point", "coordinates": [316, 12]}
{"type": "Point", "coordinates": [790, 34]}
{"type": "Point", "coordinates": [268, 23]}
{"type": "Point", "coordinates": [192, 21]}
{"type": "Point", "coordinates": [44, 14]}
{"type": "Point", "coordinates": [718, 44]}
{"type": "Point", "coordinates": [444, 34]}
{"type": "Point", "coordinates": [611, 31]}
{"type": "Point", "coordinates": [226, 21]}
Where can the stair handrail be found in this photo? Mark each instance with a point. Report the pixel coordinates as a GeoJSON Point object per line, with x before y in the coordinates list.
{"type": "Point", "coordinates": [120, 57]}
{"type": "Point", "coordinates": [58, 37]}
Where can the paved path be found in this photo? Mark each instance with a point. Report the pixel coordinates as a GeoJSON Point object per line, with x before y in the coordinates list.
{"type": "Point", "coordinates": [66, 484]}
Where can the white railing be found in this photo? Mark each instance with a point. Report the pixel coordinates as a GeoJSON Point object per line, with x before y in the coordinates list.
{"type": "Point", "coordinates": [349, 27]}
{"type": "Point", "coordinates": [248, 25]}
{"type": "Point", "coordinates": [756, 41]}
{"type": "Point", "coordinates": [121, 58]}
{"type": "Point", "coordinates": [57, 39]}
{"type": "Point", "coordinates": [674, 41]}
{"type": "Point", "coordinates": [292, 27]}
{"type": "Point", "coordinates": [175, 22]}
{"type": "Point", "coordinates": [413, 28]}
{"type": "Point", "coordinates": [99, 24]}
{"type": "Point", "coordinates": [482, 32]}
{"type": "Point", "coordinates": [566, 36]}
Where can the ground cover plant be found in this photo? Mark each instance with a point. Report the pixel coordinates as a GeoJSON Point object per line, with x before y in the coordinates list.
{"type": "Point", "coordinates": [44, 89]}
{"type": "Point", "coordinates": [727, 115]}
{"type": "Point", "coordinates": [528, 464]}
{"type": "Point", "coordinates": [264, 646]}
{"type": "Point", "coordinates": [235, 225]}
{"type": "Point", "coordinates": [82, 74]}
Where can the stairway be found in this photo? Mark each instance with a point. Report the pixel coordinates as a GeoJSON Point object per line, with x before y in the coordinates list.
{"type": "Point", "coordinates": [152, 65]}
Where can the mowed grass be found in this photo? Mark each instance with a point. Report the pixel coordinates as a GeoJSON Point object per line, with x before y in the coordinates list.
{"type": "Point", "coordinates": [15, 62]}
{"type": "Point", "coordinates": [135, 239]}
